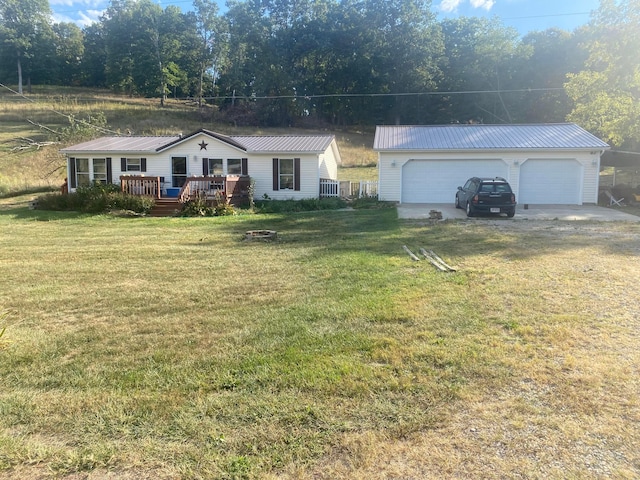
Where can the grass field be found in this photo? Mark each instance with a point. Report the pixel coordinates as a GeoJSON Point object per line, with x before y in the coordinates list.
{"type": "Point", "coordinates": [172, 348]}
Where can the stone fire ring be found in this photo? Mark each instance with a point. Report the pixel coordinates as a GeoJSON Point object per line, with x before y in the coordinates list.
{"type": "Point", "coordinates": [261, 235]}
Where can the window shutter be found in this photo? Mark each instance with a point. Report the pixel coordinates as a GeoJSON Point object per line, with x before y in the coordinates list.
{"type": "Point", "coordinates": [205, 167]}
{"type": "Point", "coordinates": [276, 170]}
{"type": "Point", "coordinates": [296, 174]}
{"type": "Point", "coordinates": [143, 164]}
{"type": "Point", "coordinates": [109, 171]}
{"type": "Point", "coordinates": [72, 172]}
{"type": "Point", "coordinates": [123, 164]}
{"type": "Point", "coordinates": [244, 169]}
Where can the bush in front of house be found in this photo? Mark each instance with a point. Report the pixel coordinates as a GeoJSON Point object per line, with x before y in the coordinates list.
{"type": "Point", "coordinates": [96, 198]}
{"type": "Point", "coordinates": [369, 203]}
{"type": "Point", "coordinates": [305, 205]}
{"type": "Point", "coordinates": [201, 206]}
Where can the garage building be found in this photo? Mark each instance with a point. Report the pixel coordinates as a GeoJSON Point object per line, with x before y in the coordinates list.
{"type": "Point", "coordinates": [544, 163]}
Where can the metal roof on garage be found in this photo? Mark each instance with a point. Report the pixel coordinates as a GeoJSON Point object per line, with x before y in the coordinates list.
{"type": "Point", "coordinates": [556, 136]}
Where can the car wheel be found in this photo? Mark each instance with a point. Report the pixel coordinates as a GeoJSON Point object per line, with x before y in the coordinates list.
{"type": "Point", "coordinates": [511, 213]}
{"type": "Point", "coordinates": [469, 210]}
{"type": "Point", "coordinates": [457, 202]}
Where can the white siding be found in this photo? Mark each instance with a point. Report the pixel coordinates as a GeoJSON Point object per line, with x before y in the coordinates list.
{"type": "Point", "coordinates": [261, 171]}
{"type": "Point", "coordinates": [591, 177]}
{"type": "Point", "coordinates": [328, 163]}
{"type": "Point", "coordinates": [390, 169]}
{"type": "Point", "coordinates": [390, 176]}
{"type": "Point", "coordinates": [160, 164]}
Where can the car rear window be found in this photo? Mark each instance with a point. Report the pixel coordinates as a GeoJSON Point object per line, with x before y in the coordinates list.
{"type": "Point", "coordinates": [495, 187]}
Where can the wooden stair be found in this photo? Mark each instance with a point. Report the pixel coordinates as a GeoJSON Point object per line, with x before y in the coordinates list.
{"type": "Point", "coordinates": [165, 207]}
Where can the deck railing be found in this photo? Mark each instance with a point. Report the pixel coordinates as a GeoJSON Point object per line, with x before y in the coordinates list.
{"type": "Point", "coordinates": [345, 188]}
{"type": "Point", "coordinates": [364, 188]}
{"type": "Point", "coordinates": [232, 188]}
{"type": "Point", "coordinates": [329, 188]}
{"type": "Point", "coordinates": [139, 185]}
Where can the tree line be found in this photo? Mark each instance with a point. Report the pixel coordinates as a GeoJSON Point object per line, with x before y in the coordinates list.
{"type": "Point", "coordinates": [340, 62]}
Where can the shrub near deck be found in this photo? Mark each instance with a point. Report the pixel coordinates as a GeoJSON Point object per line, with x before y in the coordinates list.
{"type": "Point", "coordinates": [173, 348]}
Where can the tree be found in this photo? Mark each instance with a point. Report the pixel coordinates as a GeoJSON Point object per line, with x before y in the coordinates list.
{"type": "Point", "coordinates": [606, 95]}
{"type": "Point", "coordinates": [22, 24]}
{"type": "Point", "coordinates": [555, 53]}
{"type": "Point", "coordinates": [120, 34]}
{"type": "Point", "coordinates": [481, 55]}
{"type": "Point", "coordinates": [210, 30]}
{"type": "Point", "coordinates": [94, 58]}
{"type": "Point", "coordinates": [143, 46]}
{"type": "Point", "coordinates": [69, 50]}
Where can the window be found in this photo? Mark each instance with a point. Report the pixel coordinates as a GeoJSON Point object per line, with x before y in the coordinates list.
{"type": "Point", "coordinates": [215, 166]}
{"type": "Point", "coordinates": [286, 174]}
{"type": "Point", "coordinates": [83, 176]}
{"type": "Point", "coordinates": [133, 165]}
{"type": "Point", "coordinates": [100, 170]}
{"type": "Point", "coordinates": [234, 166]}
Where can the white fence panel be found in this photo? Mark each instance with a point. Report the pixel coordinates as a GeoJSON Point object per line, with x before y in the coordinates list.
{"type": "Point", "coordinates": [329, 188]}
{"type": "Point", "coordinates": [363, 188]}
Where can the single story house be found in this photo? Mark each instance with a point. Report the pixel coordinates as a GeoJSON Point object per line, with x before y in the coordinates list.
{"type": "Point", "coordinates": [544, 163]}
{"type": "Point", "coordinates": [281, 167]}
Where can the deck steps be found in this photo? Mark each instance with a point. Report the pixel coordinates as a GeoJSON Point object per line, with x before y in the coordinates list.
{"type": "Point", "coordinates": [165, 207]}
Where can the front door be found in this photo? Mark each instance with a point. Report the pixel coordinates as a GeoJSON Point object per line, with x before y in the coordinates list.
{"type": "Point", "coordinates": [178, 171]}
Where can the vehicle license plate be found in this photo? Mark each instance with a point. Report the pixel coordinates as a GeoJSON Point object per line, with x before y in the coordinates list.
{"type": "Point", "coordinates": [495, 210]}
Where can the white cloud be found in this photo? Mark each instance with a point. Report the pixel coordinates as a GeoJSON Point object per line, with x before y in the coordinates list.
{"type": "Point", "coordinates": [86, 3]}
{"type": "Point", "coordinates": [83, 18]}
{"type": "Point", "coordinates": [449, 6]}
{"type": "Point", "coordinates": [89, 16]}
{"type": "Point", "coordinates": [486, 4]}
{"type": "Point", "coordinates": [59, 18]}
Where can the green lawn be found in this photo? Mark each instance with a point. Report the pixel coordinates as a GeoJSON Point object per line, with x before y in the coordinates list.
{"type": "Point", "coordinates": [172, 348]}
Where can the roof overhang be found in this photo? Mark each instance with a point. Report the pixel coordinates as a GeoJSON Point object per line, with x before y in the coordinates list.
{"type": "Point", "coordinates": [616, 158]}
{"type": "Point", "coordinates": [467, 151]}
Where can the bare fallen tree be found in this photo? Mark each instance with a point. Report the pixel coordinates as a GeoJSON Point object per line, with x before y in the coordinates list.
{"type": "Point", "coordinates": [30, 144]}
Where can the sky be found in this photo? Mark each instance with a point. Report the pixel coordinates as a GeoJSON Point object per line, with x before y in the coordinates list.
{"type": "Point", "coordinates": [523, 15]}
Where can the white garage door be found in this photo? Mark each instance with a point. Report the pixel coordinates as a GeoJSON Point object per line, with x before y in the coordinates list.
{"type": "Point", "coordinates": [436, 181]}
{"type": "Point", "coordinates": [547, 181]}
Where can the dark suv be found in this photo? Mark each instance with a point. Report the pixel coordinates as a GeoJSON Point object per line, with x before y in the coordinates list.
{"type": "Point", "coordinates": [486, 195]}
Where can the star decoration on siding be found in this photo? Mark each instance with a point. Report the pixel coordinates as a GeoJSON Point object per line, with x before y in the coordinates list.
{"type": "Point", "coordinates": [203, 146]}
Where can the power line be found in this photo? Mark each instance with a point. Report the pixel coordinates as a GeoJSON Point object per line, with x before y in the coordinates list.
{"type": "Point", "coordinates": [345, 95]}
{"type": "Point", "coordinates": [372, 95]}
{"type": "Point", "coordinates": [550, 15]}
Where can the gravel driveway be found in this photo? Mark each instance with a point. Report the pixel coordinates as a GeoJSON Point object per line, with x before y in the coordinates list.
{"type": "Point", "coordinates": [533, 212]}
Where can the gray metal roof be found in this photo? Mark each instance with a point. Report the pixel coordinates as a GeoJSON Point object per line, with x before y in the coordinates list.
{"type": "Point", "coordinates": [285, 143]}
{"type": "Point", "coordinates": [122, 144]}
{"type": "Point", "coordinates": [556, 136]}
{"type": "Point", "coordinates": [253, 144]}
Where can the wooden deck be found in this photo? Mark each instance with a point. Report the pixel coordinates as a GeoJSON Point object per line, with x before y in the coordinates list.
{"type": "Point", "coordinates": [233, 189]}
